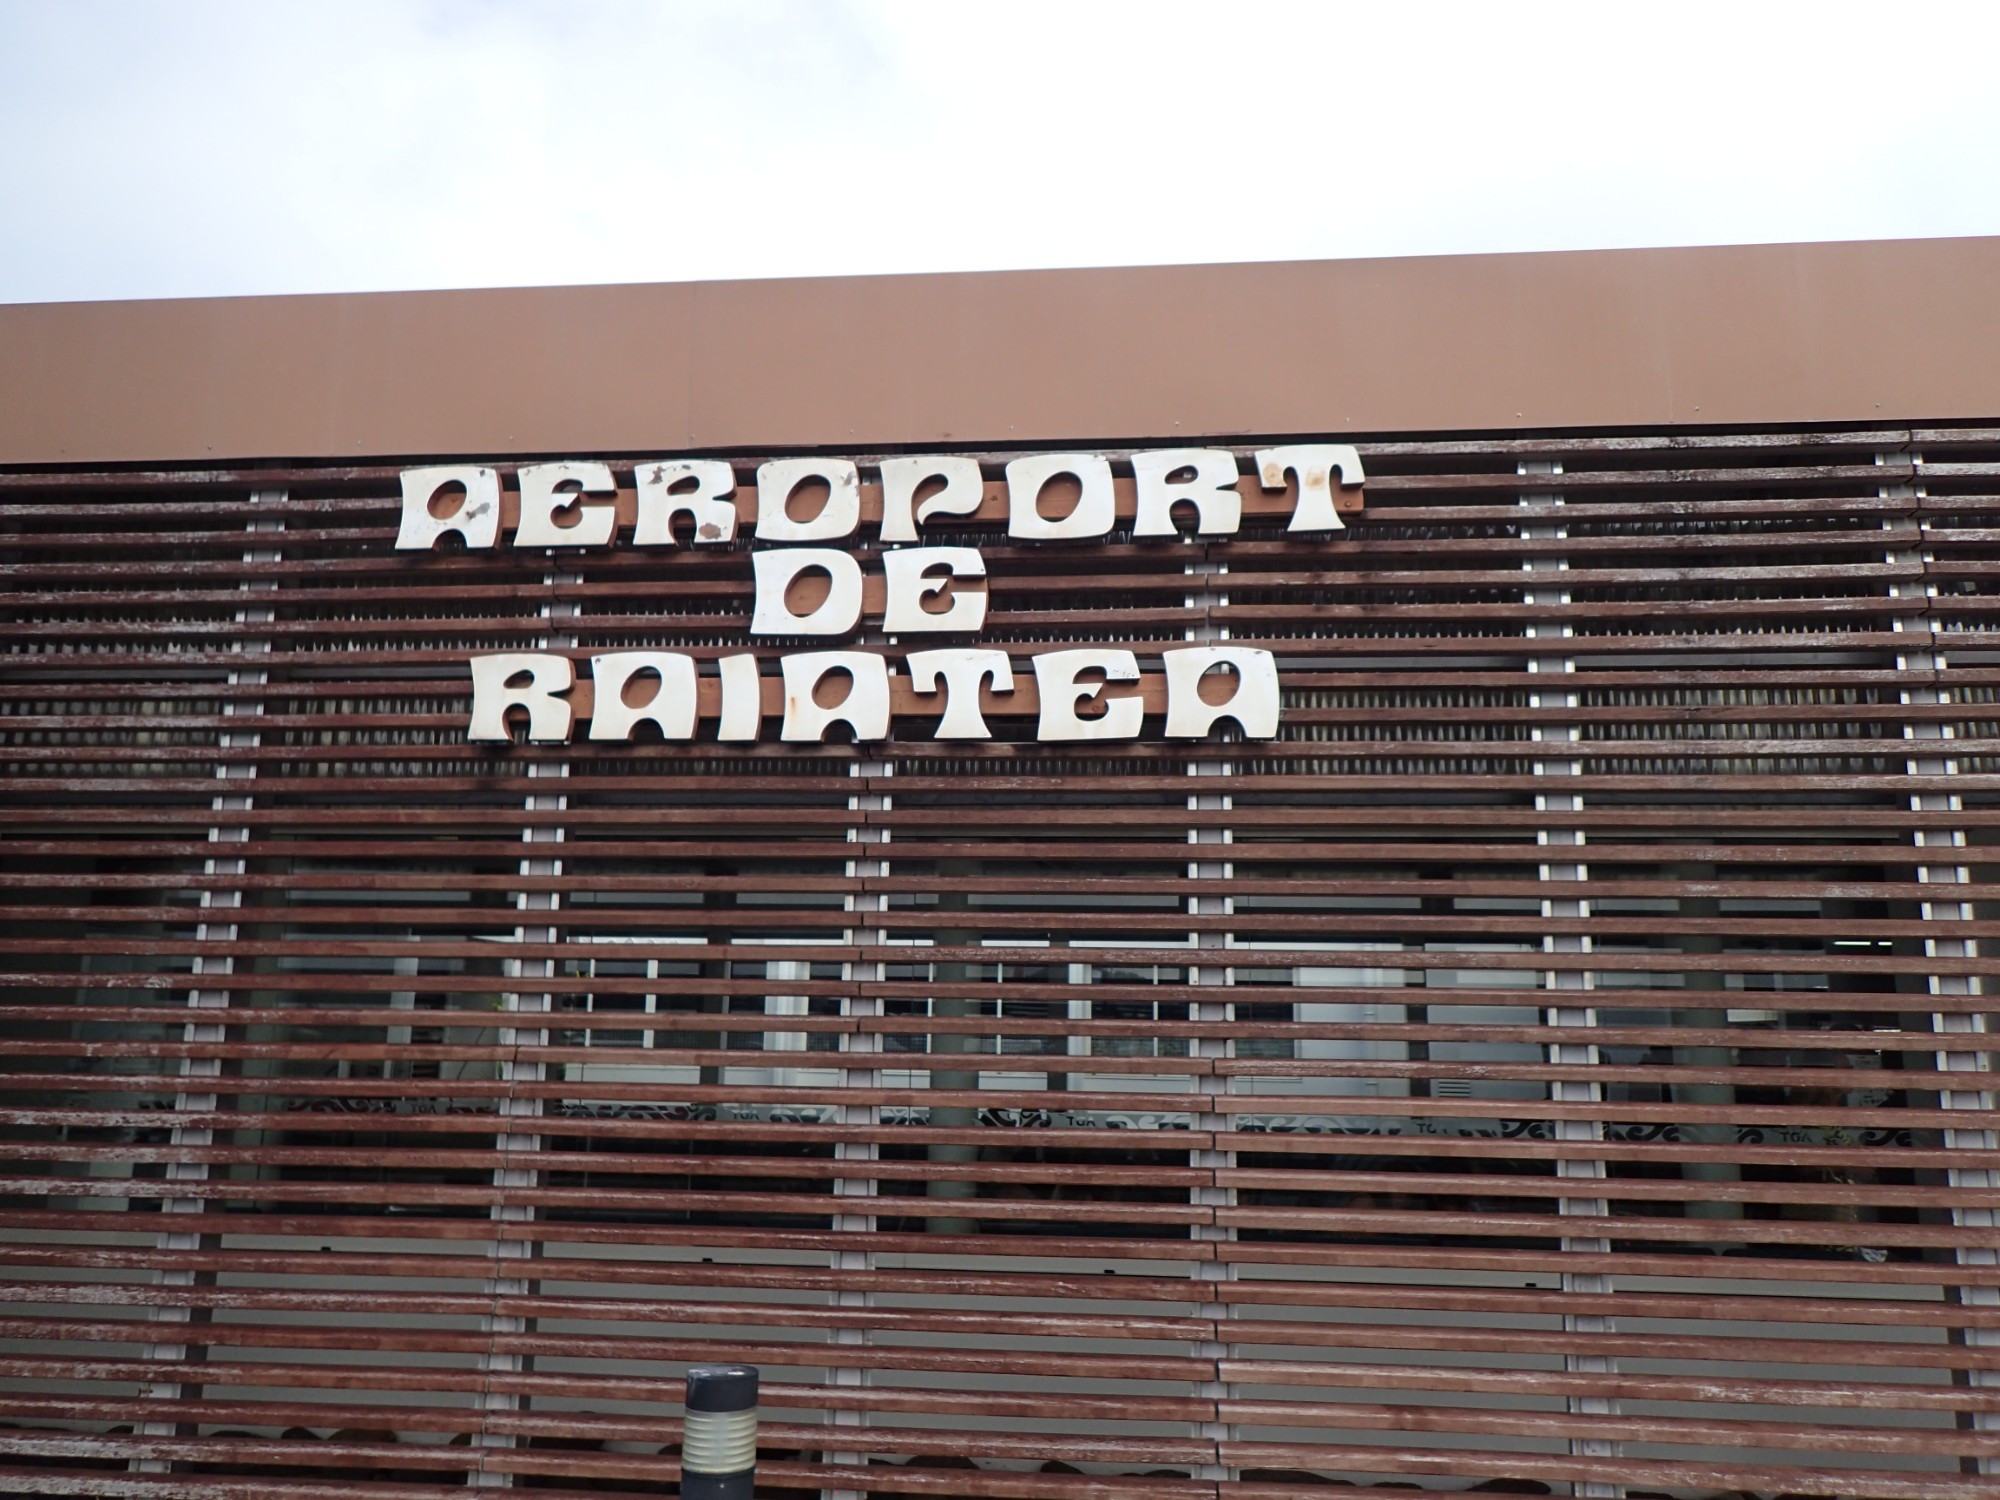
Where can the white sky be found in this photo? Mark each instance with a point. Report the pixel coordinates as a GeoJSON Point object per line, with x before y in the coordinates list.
{"type": "Point", "coordinates": [154, 148]}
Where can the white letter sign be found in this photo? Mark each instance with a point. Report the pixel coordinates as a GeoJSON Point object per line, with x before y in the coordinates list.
{"type": "Point", "coordinates": [963, 671]}
{"type": "Point", "coordinates": [1212, 491]}
{"type": "Point", "coordinates": [672, 705]}
{"type": "Point", "coordinates": [865, 708]}
{"type": "Point", "coordinates": [542, 496]}
{"type": "Point", "coordinates": [903, 477]}
{"type": "Point", "coordinates": [1055, 679]}
{"type": "Point", "coordinates": [836, 614]}
{"type": "Point", "coordinates": [1096, 506]}
{"type": "Point", "coordinates": [494, 691]}
{"type": "Point", "coordinates": [911, 576]}
{"type": "Point", "coordinates": [1313, 465]}
{"type": "Point", "coordinates": [1254, 704]}
{"type": "Point", "coordinates": [817, 594]}
{"type": "Point", "coordinates": [477, 517]}
{"type": "Point", "coordinates": [837, 518]}
{"type": "Point", "coordinates": [707, 500]}
{"type": "Point", "coordinates": [742, 699]}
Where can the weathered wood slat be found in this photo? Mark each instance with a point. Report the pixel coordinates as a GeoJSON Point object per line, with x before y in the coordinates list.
{"type": "Point", "coordinates": [981, 1183]}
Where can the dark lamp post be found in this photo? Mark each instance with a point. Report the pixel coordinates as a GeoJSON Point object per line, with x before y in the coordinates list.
{"type": "Point", "coordinates": [719, 1437]}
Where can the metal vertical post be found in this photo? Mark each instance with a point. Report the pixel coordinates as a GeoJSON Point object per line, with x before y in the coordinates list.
{"type": "Point", "coordinates": [220, 906]}
{"type": "Point", "coordinates": [1966, 1073]}
{"type": "Point", "coordinates": [519, 1134]}
{"type": "Point", "coordinates": [1208, 859]}
{"type": "Point", "coordinates": [861, 1064]}
{"type": "Point", "coordinates": [1569, 1006]}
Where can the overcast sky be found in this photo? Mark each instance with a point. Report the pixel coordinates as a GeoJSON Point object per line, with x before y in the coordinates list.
{"type": "Point", "coordinates": [162, 148]}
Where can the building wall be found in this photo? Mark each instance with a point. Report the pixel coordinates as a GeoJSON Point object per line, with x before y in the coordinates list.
{"type": "Point", "coordinates": [1527, 1069]}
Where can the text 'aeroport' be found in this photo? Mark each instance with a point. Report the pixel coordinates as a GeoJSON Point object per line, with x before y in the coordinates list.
{"type": "Point", "coordinates": [1085, 693]}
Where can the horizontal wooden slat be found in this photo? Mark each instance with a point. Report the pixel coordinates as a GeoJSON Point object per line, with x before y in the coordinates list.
{"type": "Point", "coordinates": [1396, 1108]}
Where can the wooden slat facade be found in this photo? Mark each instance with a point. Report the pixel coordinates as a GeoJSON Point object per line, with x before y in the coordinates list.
{"type": "Point", "coordinates": [1551, 1066]}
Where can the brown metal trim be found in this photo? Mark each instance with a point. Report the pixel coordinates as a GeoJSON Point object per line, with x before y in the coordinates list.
{"type": "Point", "coordinates": [1830, 334]}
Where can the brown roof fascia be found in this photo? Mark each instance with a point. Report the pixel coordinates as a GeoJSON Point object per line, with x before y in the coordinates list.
{"type": "Point", "coordinates": [1884, 331]}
